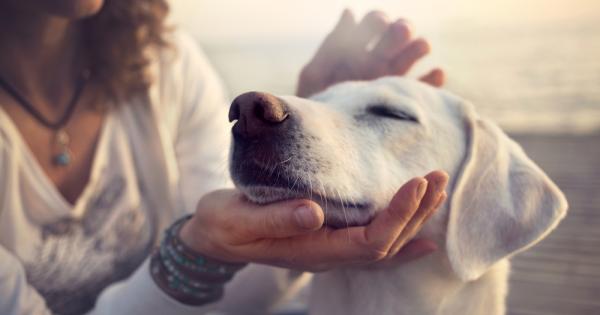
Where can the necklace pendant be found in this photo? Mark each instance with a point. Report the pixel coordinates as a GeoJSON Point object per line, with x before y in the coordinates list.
{"type": "Point", "coordinates": [62, 159]}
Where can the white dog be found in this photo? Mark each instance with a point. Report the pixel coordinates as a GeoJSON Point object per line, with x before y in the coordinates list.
{"type": "Point", "coordinates": [351, 147]}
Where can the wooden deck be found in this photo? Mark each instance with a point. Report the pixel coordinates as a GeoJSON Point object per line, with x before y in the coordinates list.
{"type": "Point", "coordinates": [561, 275]}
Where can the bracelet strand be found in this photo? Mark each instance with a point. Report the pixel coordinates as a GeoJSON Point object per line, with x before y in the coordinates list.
{"type": "Point", "coordinates": [186, 275]}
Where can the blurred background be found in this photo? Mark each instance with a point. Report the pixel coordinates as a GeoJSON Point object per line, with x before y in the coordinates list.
{"type": "Point", "coordinates": [531, 65]}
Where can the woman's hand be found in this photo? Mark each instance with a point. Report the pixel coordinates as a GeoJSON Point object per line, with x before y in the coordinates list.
{"type": "Point", "coordinates": [346, 53]}
{"type": "Point", "coordinates": [291, 234]}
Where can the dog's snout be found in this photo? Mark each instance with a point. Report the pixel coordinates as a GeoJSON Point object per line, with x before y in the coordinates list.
{"type": "Point", "coordinates": [256, 113]}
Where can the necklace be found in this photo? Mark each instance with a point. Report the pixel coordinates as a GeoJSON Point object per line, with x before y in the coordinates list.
{"type": "Point", "coordinates": [62, 156]}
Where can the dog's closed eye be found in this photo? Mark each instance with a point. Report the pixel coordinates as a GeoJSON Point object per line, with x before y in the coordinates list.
{"type": "Point", "coordinates": [386, 111]}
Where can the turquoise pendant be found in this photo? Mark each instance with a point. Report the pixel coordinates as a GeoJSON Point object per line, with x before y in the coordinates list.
{"type": "Point", "coordinates": [62, 159]}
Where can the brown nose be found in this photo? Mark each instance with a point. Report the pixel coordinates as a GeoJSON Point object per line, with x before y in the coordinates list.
{"type": "Point", "coordinates": [257, 113]}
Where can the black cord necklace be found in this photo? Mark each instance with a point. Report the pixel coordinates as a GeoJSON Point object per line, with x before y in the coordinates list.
{"type": "Point", "coordinates": [63, 155]}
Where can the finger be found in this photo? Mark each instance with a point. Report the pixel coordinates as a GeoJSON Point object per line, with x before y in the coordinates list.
{"type": "Point", "coordinates": [276, 220]}
{"type": "Point", "coordinates": [393, 41]}
{"type": "Point", "coordinates": [390, 222]}
{"type": "Point", "coordinates": [371, 27]}
{"type": "Point", "coordinates": [286, 220]}
{"type": "Point", "coordinates": [377, 237]}
{"type": "Point", "coordinates": [391, 44]}
{"type": "Point", "coordinates": [435, 189]}
{"type": "Point", "coordinates": [330, 48]}
{"type": "Point", "coordinates": [355, 49]}
{"type": "Point", "coordinates": [437, 183]}
{"type": "Point", "coordinates": [413, 51]}
{"type": "Point", "coordinates": [337, 40]}
{"type": "Point", "coordinates": [443, 198]}
{"type": "Point", "coordinates": [435, 77]}
{"type": "Point", "coordinates": [345, 22]}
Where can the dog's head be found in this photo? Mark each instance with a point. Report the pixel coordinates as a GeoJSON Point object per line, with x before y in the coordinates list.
{"type": "Point", "coordinates": [351, 147]}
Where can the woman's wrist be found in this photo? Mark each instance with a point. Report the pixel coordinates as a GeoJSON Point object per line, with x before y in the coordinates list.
{"type": "Point", "coordinates": [179, 291]}
{"type": "Point", "coordinates": [189, 236]}
{"type": "Point", "coordinates": [187, 275]}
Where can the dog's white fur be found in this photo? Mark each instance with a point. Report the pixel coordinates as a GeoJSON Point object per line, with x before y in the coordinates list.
{"type": "Point", "coordinates": [499, 204]}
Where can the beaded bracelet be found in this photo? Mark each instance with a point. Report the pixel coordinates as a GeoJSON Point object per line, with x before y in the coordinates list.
{"type": "Point", "coordinates": [186, 275]}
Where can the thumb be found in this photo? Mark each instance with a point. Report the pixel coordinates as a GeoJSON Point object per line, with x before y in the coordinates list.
{"type": "Point", "coordinates": [282, 219]}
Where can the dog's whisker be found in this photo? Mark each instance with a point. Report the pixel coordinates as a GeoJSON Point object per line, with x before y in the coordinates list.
{"type": "Point", "coordinates": [278, 174]}
{"type": "Point", "coordinates": [323, 197]}
{"type": "Point", "coordinates": [275, 168]}
{"type": "Point", "coordinates": [352, 200]}
{"type": "Point", "coordinates": [295, 182]}
{"type": "Point", "coordinates": [286, 160]}
{"type": "Point", "coordinates": [223, 168]}
{"type": "Point", "coordinates": [310, 192]}
{"type": "Point", "coordinates": [344, 211]}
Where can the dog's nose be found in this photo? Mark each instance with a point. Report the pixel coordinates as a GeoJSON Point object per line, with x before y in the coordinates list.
{"type": "Point", "coordinates": [256, 113]}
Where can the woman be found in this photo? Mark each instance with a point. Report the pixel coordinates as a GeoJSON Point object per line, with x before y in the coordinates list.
{"type": "Point", "coordinates": [112, 127]}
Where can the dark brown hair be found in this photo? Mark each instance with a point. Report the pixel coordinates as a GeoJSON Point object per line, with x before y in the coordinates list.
{"type": "Point", "coordinates": [117, 41]}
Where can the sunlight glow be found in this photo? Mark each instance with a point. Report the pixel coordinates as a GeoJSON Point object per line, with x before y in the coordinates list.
{"type": "Point", "coordinates": [212, 19]}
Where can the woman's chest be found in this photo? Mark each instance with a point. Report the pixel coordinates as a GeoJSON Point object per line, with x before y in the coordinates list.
{"type": "Point", "coordinates": [66, 154]}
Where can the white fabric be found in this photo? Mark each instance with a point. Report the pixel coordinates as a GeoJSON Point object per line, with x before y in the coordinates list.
{"type": "Point", "coordinates": [157, 156]}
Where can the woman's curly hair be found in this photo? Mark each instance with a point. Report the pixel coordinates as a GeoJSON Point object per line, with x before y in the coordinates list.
{"type": "Point", "coordinates": [117, 40]}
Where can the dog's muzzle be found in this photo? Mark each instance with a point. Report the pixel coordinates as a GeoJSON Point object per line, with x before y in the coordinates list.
{"type": "Point", "coordinates": [264, 134]}
{"type": "Point", "coordinates": [272, 159]}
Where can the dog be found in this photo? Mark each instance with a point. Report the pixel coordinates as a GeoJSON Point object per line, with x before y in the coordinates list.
{"type": "Point", "coordinates": [352, 146]}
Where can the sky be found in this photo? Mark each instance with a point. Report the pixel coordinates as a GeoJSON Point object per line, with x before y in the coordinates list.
{"type": "Point", "coordinates": [231, 19]}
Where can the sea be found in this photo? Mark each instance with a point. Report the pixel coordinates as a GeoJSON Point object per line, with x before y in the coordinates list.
{"type": "Point", "coordinates": [539, 78]}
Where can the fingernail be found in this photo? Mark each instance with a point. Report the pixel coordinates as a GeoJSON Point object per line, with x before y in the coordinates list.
{"type": "Point", "coordinates": [421, 189]}
{"type": "Point", "coordinates": [306, 217]}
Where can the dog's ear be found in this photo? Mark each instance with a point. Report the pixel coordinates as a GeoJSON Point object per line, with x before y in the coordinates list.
{"type": "Point", "coordinates": [502, 202]}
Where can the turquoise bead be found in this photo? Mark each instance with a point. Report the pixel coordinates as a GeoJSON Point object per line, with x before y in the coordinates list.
{"type": "Point", "coordinates": [62, 159]}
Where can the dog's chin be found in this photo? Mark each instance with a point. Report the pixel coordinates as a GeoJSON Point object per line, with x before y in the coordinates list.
{"type": "Point", "coordinates": [338, 213]}
{"type": "Point", "coordinates": [264, 194]}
